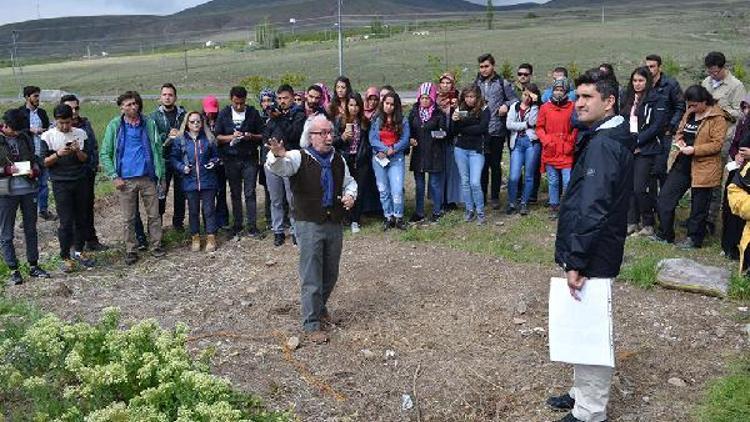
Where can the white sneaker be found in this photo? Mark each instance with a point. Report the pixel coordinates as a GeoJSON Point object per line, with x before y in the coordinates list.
{"type": "Point", "coordinates": [355, 227]}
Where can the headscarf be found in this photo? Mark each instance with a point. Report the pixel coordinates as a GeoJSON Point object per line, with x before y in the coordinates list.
{"type": "Point", "coordinates": [446, 98]}
{"type": "Point", "coordinates": [370, 91]}
{"type": "Point", "coordinates": [267, 92]}
{"type": "Point", "coordinates": [325, 101]}
{"type": "Point", "coordinates": [427, 89]}
{"type": "Point", "coordinates": [561, 100]}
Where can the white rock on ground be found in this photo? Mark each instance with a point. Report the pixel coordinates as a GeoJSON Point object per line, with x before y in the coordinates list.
{"type": "Point", "coordinates": [688, 275]}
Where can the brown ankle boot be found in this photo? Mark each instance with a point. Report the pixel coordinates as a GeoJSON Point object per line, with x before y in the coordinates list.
{"type": "Point", "coordinates": [210, 243]}
{"type": "Point", "coordinates": [196, 245]}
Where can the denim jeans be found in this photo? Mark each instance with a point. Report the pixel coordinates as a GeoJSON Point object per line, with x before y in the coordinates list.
{"type": "Point", "coordinates": [279, 188]}
{"type": "Point", "coordinates": [198, 201]}
{"type": "Point", "coordinates": [525, 155]}
{"type": "Point", "coordinates": [43, 195]}
{"type": "Point", "coordinates": [390, 181]}
{"type": "Point", "coordinates": [470, 164]}
{"type": "Point", "coordinates": [553, 179]}
{"type": "Point", "coordinates": [437, 184]}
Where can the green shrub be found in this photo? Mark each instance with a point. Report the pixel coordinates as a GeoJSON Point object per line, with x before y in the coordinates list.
{"type": "Point", "coordinates": [739, 287]}
{"type": "Point", "coordinates": [670, 67]}
{"type": "Point", "coordinates": [641, 272]}
{"type": "Point", "coordinates": [53, 370]}
{"type": "Point", "coordinates": [738, 70]}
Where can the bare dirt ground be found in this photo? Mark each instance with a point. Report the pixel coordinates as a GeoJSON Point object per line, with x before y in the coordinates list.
{"type": "Point", "coordinates": [427, 321]}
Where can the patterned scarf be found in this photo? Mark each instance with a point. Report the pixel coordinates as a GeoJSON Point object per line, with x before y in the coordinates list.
{"type": "Point", "coordinates": [326, 174]}
{"type": "Point", "coordinates": [426, 89]}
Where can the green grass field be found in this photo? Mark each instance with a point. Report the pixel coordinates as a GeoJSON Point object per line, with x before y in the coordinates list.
{"type": "Point", "coordinates": [683, 34]}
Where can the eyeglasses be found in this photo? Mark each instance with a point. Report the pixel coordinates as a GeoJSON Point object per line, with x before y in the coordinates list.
{"type": "Point", "coordinates": [523, 74]}
{"type": "Point", "coordinates": [194, 122]}
{"type": "Point", "coordinates": [321, 132]}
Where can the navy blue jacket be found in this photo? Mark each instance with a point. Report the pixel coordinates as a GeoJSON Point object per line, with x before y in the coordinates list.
{"type": "Point", "coordinates": [196, 154]}
{"type": "Point", "coordinates": [652, 123]}
{"type": "Point", "coordinates": [591, 229]}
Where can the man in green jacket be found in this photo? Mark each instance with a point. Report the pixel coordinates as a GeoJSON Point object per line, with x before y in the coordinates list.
{"type": "Point", "coordinates": [131, 156]}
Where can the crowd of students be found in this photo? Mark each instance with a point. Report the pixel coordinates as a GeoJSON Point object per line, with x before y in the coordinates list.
{"type": "Point", "coordinates": [454, 141]}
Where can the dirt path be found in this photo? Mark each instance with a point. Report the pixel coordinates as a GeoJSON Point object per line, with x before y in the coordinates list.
{"type": "Point", "coordinates": [431, 322]}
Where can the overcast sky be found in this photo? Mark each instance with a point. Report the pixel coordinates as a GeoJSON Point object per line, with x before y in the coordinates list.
{"type": "Point", "coordinates": [22, 10]}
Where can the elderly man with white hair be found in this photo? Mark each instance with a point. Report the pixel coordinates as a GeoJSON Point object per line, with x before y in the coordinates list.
{"type": "Point", "coordinates": [322, 190]}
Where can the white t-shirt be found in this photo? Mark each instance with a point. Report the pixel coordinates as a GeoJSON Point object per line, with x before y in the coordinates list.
{"type": "Point", "coordinates": [238, 118]}
{"type": "Point", "coordinates": [56, 139]}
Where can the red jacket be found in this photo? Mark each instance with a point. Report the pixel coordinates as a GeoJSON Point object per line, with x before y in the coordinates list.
{"type": "Point", "coordinates": [555, 130]}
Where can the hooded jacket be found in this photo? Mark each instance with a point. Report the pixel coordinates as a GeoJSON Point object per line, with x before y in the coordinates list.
{"type": "Point", "coordinates": [496, 92]}
{"type": "Point", "coordinates": [197, 154]}
{"type": "Point", "coordinates": [652, 121]}
{"type": "Point", "coordinates": [554, 127]}
{"type": "Point", "coordinates": [592, 225]}
{"type": "Point", "coordinates": [706, 170]}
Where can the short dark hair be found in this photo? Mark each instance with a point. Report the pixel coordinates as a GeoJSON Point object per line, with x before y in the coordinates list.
{"type": "Point", "coordinates": [285, 88]}
{"type": "Point", "coordinates": [63, 111]}
{"type": "Point", "coordinates": [533, 88]}
{"type": "Point", "coordinates": [486, 57]}
{"type": "Point", "coordinates": [69, 97]}
{"type": "Point", "coordinates": [16, 119]}
{"type": "Point", "coordinates": [30, 90]}
{"type": "Point", "coordinates": [169, 85]}
{"type": "Point", "coordinates": [527, 66]}
{"type": "Point", "coordinates": [238, 91]}
{"type": "Point", "coordinates": [715, 58]}
{"type": "Point", "coordinates": [560, 69]}
{"type": "Point", "coordinates": [388, 88]}
{"type": "Point", "coordinates": [605, 85]}
{"type": "Point", "coordinates": [315, 88]}
{"type": "Point", "coordinates": [699, 94]}
{"type": "Point", "coordinates": [131, 95]}
{"type": "Point", "coordinates": [654, 58]}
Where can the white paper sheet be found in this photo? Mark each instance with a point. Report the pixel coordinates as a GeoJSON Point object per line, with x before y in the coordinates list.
{"type": "Point", "coordinates": [24, 168]}
{"type": "Point", "coordinates": [382, 161]}
{"type": "Point", "coordinates": [732, 165]}
{"type": "Point", "coordinates": [580, 332]}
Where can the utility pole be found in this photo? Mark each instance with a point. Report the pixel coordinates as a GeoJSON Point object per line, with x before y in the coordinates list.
{"type": "Point", "coordinates": [184, 48]}
{"type": "Point", "coordinates": [88, 51]}
{"type": "Point", "coordinates": [603, 11]}
{"type": "Point", "coordinates": [341, 42]}
{"type": "Point", "coordinates": [14, 59]}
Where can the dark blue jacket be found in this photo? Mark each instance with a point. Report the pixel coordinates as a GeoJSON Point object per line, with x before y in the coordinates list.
{"type": "Point", "coordinates": [671, 90]}
{"type": "Point", "coordinates": [91, 148]}
{"type": "Point", "coordinates": [591, 229]}
{"type": "Point", "coordinates": [196, 154]}
{"type": "Point", "coordinates": [652, 122]}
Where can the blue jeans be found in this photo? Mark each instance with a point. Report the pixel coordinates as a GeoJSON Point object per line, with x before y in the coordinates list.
{"type": "Point", "coordinates": [43, 195]}
{"type": "Point", "coordinates": [470, 164]}
{"type": "Point", "coordinates": [553, 179]}
{"type": "Point", "coordinates": [525, 155]}
{"type": "Point", "coordinates": [437, 184]}
{"type": "Point", "coordinates": [390, 181]}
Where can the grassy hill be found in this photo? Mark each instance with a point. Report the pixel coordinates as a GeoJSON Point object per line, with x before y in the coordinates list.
{"type": "Point", "coordinates": [75, 36]}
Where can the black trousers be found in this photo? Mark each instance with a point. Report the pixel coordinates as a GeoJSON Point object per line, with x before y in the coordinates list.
{"type": "Point", "coordinates": [731, 226]}
{"type": "Point", "coordinates": [242, 176]}
{"type": "Point", "coordinates": [678, 182]}
{"type": "Point", "coordinates": [222, 210]}
{"type": "Point", "coordinates": [643, 202]}
{"type": "Point", "coordinates": [492, 176]}
{"type": "Point", "coordinates": [170, 176]}
{"type": "Point", "coordinates": [89, 228]}
{"type": "Point", "coordinates": [71, 198]}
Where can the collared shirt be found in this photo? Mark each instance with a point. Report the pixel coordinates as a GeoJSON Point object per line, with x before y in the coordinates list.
{"type": "Point", "coordinates": [35, 122]}
{"type": "Point", "coordinates": [728, 93]}
{"type": "Point", "coordinates": [133, 162]}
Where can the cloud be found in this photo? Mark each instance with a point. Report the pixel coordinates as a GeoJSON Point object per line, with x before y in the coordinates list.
{"type": "Point", "coordinates": [19, 11]}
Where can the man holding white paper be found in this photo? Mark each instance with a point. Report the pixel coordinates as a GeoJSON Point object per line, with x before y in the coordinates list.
{"type": "Point", "coordinates": [592, 224]}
